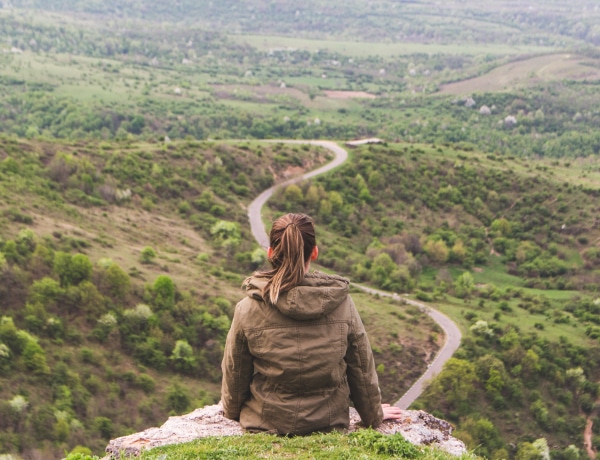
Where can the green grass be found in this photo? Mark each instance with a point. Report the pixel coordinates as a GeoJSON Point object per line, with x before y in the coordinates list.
{"type": "Point", "coordinates": [365, 444]}
{"type": "Point", "coordinates": [364, 49]}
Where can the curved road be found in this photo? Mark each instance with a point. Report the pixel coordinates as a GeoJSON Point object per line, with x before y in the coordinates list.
{"type": "Point", "coordinates": [451, 331]}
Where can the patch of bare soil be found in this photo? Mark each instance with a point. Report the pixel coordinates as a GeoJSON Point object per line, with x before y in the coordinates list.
{"type": "Point", "coordinates": [349, 95]}
{"type": "Point", "coordinates": [588, 433]}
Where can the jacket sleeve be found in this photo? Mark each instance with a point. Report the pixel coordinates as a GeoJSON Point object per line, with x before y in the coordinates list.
{"type": "Point", "coordinates": [238, 368]}
{"type": "Point", "coordinates": [362, 377]}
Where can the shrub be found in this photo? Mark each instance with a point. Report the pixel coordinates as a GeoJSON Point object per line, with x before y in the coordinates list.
{"type": "Point", "coordinates": [147, 255]}
{"type": "Point", "coordinates": [72, 270]}
{"type": "Point", "coordinates": [104, 426]}
{"type": "Point", "coordinates": [163, 291]}
{"type": "Point", "coordinates": [178, 399]}
{"type": "Point", "coordinates": [146, 383]}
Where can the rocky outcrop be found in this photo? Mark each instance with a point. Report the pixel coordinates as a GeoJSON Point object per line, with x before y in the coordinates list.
{"type": "Point", "coordinates": [418, 427]}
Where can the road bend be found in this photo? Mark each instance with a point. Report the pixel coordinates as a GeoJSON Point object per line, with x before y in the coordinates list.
{"type": "Point", "coordinates": [451, 332]}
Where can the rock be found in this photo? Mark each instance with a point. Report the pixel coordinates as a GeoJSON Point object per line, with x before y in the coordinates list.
{"type": "Point", "coordinates": [417, 427]}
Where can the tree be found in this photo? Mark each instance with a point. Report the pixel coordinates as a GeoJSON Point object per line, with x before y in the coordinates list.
{"type": "Point", "coordinates": [501, 227]}
{"type": "Point", "coordinates": [293, 194]}
{"type": "Point", "coordinates": [163, 291]}
{"type": "Point", "coordinates": [72, 270]}
{"type": "Point", "coordinates": [464, 284]}
{"type": "Point", "coordinates": [45, 291]}
{"type": "Point", "coordinates": [454, 386]}
{"type": "Point", "coordinates": [33, 355]}
{"type": "Point", "coordinates": [178, 399]}
{"type": "Point", "coordinates": [115, 282]}
{"type": "Point", "coordinates": [458, 253]}
{"type": "Point", "coordinates": [104, 426]}
{"type": "Point", "coordinates": [527, 451]}
{"type": "Point", "coordinates": [183, 356]}
{"type": "Point", "coordinates": [436, 250]}
{"type": "Point", "coordinates": [227, 235]}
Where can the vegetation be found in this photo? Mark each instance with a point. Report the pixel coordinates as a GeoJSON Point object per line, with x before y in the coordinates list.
{"type": "Point", "coordinates": [362, 444]}
{"type": "Point", "coordinates": [501, 244]}
{"type": "Point", "coordinates": [123, 231]}
{"type": "Point", "coordinates": [120, 267]}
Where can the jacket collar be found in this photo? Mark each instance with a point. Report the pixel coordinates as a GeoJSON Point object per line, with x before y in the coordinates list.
{"type": "Point", "coordinates": [316, 296]}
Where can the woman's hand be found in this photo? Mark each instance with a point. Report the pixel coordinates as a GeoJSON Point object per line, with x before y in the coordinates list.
{"type": "Point", "coordinates": [391, 412]}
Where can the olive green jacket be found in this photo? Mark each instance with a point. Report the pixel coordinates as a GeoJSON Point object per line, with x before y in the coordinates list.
{"type": "Point", "coordinates": [293, 367]}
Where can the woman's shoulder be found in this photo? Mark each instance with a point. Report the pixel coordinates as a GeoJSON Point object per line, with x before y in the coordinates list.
{"type": "Point", "coordinates": [326, 278]}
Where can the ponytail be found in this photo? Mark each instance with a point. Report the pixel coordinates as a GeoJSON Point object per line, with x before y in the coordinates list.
{"type": "Point", "coordinates": [292, 241]}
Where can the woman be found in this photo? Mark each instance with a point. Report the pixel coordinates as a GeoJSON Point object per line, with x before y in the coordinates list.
{"type": "Point", "coordinates": [297, 351]}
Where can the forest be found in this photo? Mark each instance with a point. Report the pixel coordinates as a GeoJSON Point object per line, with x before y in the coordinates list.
{"type": "Point", "coordinates": [132, 140]}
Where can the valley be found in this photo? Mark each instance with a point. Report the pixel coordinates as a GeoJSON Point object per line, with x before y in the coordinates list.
{"type": "Point", "coordinates": [134, 136]}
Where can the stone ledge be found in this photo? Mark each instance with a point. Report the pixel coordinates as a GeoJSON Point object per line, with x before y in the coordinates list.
{"type": "Point", "coordinates": [417, 427]}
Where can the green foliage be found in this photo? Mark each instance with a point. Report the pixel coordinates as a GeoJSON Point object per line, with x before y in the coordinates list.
{"type": "Point", "coordinates": [72, 269]}
{"type": "Point", "coordinates": [464, 284]}
{"type": "Point", "coordinates": [178, 399]}
{"type": "Point", "coordinates": [147, 255]}
{"type": "Point", "coordinates": [226, 235]}
{"type": "Point", "coordinates": [163, 293]}
{"type": "Point", "coordinates": [33, 355]}
{"type": "Point", "coordinates": [455, 385]}
{"type": "Point", "coordinates": [183, 356]}
{"type": "Point", "coordinates": [393, 445]}
{"type": "Point", "coordinates": [104, 426]}
{"type": "Point", "coordinates": [115, 282]}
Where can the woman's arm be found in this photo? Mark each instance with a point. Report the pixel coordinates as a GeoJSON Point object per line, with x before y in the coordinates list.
{"type": "Point", "coordinates": [237, 369]}
{"type": "Point", "coordinates": [362, 377]}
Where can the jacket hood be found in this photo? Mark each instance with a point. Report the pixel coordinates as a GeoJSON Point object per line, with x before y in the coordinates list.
{"type": "Point", "coordinates": [316, 296]}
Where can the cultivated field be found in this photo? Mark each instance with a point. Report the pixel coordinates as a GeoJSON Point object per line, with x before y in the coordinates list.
{"type": "Point", "coordinates": [529, 72]}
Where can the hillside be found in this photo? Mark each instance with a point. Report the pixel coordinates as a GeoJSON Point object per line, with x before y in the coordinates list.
{"type": "Point", "coordinates": [120, 264]}
{"type": "Point", "coordinates": [123, 229]}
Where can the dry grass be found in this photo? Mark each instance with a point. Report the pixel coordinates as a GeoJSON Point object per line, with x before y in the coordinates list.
{"type": "Point", "coordinates": [349, 95]}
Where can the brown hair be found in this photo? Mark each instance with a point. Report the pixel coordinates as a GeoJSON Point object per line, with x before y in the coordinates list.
{"type": "Point", "coordinates": [292, 241]}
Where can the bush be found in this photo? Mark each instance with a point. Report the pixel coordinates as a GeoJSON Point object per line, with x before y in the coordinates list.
{"type": "Point", "coordinates": [146, 383]}
{"type": "Point", "coordinates": [178, 399]}
{"type": "Point", "coordinates": [104, 426]}
{"type": "Point", "coordinates": [147, 255]}
{"type": "Point", "coordinates": [163, 290]}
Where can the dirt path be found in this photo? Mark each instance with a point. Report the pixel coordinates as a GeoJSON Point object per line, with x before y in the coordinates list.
{"type": "Point", "coordinates": [588, 433]}
{"type": "Point", "coordinates": [451, 331]}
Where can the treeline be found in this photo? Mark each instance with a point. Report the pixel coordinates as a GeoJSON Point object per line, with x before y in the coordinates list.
{"type": "Point", "coordinates": [39, 115]}
{"type": "Point", "coordinates": [549, 25]}
{"type": "Point", "coordinates": [559, 130]}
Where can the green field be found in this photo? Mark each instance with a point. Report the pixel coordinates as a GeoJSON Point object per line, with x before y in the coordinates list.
{"type": "Point", "coordinates": [383, 49]}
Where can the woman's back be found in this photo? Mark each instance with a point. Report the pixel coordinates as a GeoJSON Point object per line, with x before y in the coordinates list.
{"type": "Point", "coordinates": [302, 348]}
{"type": "Point", "coordinates": [297, 351]}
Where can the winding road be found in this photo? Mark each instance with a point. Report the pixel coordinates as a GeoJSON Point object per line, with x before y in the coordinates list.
{"type": "Point", "coordinates": [451, 331]}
